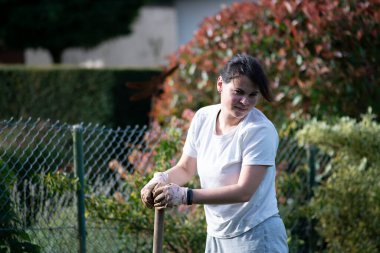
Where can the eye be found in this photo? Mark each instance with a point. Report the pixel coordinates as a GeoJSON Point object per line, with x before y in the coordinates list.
{"type": "Point", "coordinates": [254, 94]}
{"type": "Point", "coordinates": [239, 92]}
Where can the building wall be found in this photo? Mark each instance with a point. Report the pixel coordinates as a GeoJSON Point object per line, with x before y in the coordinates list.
{"type": "Point", "coordinates": [190, 15]}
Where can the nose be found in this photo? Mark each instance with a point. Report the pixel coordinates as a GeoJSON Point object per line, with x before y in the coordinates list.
{"type": "Point", "coordinates": [244, 100]}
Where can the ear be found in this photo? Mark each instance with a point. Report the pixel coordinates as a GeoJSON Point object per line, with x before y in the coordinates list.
{"type": "Point", "coordinates": [219, 84]}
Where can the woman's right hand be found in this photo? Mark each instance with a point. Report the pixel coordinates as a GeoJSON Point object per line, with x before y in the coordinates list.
{"type": "Point", "coordinates": [160, 179]}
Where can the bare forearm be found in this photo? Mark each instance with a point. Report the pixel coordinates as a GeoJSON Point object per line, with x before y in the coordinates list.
{"type": "Point", "coordinates": [221, 195]}
{"type": "Point", "coordinates": [179, 175]}
{"type": "Point", "coordinates": [183, 171]}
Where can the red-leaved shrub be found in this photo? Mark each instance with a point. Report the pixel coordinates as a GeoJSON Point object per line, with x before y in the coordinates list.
{"type": "Point", "coordinates": [322, 57]}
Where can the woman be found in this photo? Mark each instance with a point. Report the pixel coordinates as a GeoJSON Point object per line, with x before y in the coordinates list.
{"type": "Point", "coordinates": [232, 146]}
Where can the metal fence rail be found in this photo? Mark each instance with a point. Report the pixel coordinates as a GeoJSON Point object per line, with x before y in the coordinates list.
{"type": "Point", "coordinates": [32, 149]}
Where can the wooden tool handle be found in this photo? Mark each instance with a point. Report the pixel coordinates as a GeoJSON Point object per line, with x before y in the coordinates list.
{"type": "Point", "coordinates": [158, 235]}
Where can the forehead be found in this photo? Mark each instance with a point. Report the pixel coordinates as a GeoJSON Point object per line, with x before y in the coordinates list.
{"type": "Point", "coordinates": [244, 83]}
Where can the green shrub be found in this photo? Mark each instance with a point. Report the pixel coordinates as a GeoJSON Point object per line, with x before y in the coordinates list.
{"type": "Point", "coordinates": [347, 207]}
{"type": "Point", "coordinates": [347, 203]}
{"type": "Point", "coordinates": [293, 197]}
{"type": "Point", "coordinates": [295, 181]}
{"type": "Point", "coordinates": [13, 238]}
{"type": "Point", "coordinates": [184, 227]}
{"type": "Point", "coordinates": [26, 162]}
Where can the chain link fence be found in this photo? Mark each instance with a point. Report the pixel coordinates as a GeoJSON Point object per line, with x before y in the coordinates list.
{"type": "Point", "coordinates": [31, 216]}
{"type": "Point", "coordinates": [30, 150]}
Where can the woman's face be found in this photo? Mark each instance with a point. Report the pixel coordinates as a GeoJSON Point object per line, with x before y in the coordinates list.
{"type": "Point", "coordinates": [238, 97]}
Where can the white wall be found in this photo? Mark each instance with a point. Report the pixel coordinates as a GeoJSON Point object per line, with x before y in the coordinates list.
{"type": "Point", "coordinates": [154, 37]}
{"type": "Point", "coordinates": [190, 14]}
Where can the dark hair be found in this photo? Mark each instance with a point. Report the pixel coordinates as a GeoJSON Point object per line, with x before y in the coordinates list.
{"type": "Point", "coordinates": [246, 65]}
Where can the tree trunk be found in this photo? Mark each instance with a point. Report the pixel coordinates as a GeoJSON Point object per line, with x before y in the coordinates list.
{"type": "Point", "coordinates": [12, 56]}
{"type": "Point", "coordinates": [56, 55]}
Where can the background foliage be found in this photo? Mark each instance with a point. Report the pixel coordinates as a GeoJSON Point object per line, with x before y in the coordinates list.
{"type": "Point", "coordinates": [347, 202]}
{"type": "Point", "coordinates": [64, 24]}
{"type": "Point", "coordinates": [322, 57]}
{"type": "Point", "coordinates": [184, 227]}
{"type": "Point", "coordinates": [74, 94]}
{"type": "Point", "coordinates": [342, 190]}
{"type": "Point", "coordinates": [11, 239]}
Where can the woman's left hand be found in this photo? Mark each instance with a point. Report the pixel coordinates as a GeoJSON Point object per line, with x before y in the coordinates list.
{"type": "Point", "coordinates": [169, 195]}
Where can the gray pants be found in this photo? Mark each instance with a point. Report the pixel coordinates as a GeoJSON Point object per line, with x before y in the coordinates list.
{"type": "Point", "coordinates": [267, 237]}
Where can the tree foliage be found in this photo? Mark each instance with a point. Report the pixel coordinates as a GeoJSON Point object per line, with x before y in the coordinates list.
{"type": "Point", "coordinates": [322, 57]}
{"type": "Point", "coordinates": [57, 25]}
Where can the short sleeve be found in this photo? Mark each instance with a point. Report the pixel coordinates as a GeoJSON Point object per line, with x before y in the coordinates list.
{"type": "Point", "coordinates": [259, 145]}
{"type": "Point", "coordinates": [190, 143]}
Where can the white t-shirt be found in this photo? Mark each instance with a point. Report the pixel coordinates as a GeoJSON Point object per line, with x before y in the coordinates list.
{"type": "Point", "coordinates": [219, 160]}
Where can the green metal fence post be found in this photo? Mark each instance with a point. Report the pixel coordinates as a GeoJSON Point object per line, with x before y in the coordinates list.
{"type": "Point", "coordinates": [312, 153]}
{"type": "Point", "coordinates": [79, 168]}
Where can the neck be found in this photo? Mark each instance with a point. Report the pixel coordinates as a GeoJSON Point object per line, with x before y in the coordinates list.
{"type": "Point", "coordinates": [224, 124]}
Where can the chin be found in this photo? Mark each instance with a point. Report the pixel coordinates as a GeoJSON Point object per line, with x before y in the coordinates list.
{"type": "Point", "coordinates": [240, 115]}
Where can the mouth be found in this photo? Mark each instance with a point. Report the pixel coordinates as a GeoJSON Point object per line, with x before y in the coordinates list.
{"type": "Point", "coordinates": [240, 109]}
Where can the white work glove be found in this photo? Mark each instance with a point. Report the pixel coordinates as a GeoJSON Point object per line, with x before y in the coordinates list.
{"type": "Point", "coordinates": [169, 195]}
{"type": "Point", "coordinates": [159, 179]}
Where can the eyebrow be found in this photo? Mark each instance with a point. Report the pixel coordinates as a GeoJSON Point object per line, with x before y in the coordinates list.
{"type": "Point", "coordinates": [253, 92]}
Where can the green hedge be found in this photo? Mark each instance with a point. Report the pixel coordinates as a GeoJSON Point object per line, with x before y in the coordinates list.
{"type": "Point", "coordinates": [346, 203]}
{"type": "Point", "coordinates": [73, 95]}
